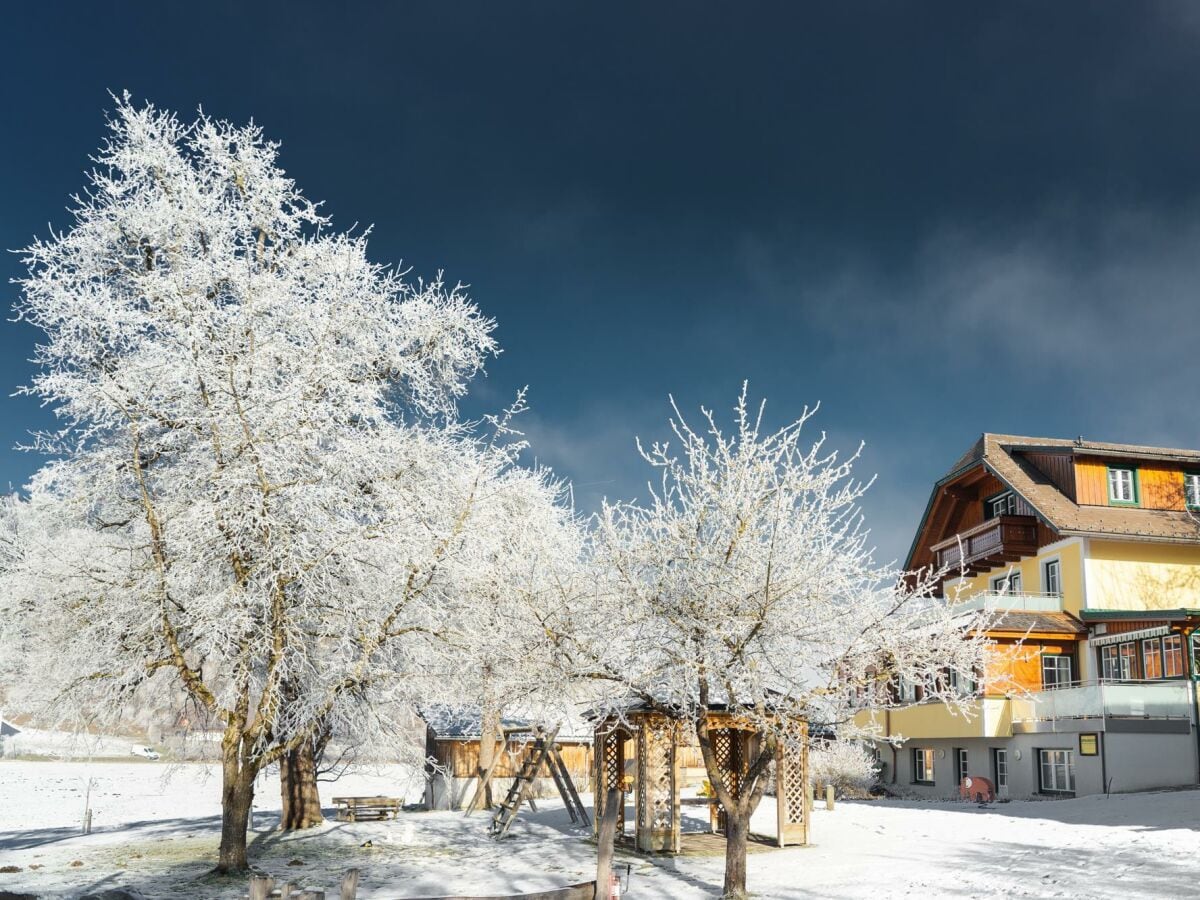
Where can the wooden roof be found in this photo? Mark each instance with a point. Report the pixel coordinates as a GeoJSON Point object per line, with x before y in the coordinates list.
{"type": "Point", "coordinates": [1006, 457]}
{"type": "Point", "coordinates": [1040, 623]}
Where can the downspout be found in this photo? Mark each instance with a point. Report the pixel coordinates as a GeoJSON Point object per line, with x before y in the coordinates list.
{"type": "Point", "coordinates": [888, 726]}
{"type": "Point", "coordinates": [1104, 762]}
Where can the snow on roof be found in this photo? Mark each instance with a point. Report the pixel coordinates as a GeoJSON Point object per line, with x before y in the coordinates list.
{"type": "Point", "coordinates": [465, 722]}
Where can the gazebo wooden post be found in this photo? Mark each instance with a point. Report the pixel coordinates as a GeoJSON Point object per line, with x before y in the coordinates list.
{"type": "Point", "coordinates": [793, 799]}
{"type": "Point", "coordinates": [657, 787]}
{"type": "Point", "coordinates": [609, 768]}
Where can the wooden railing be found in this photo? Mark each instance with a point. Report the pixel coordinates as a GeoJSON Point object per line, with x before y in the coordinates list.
{"type": "Point", "coordinates": [991, 543]}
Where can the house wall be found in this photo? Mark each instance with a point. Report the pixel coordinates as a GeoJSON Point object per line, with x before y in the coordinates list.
{"type": "Point", "coordinates": [1017, 666]}
{"type": "Point", "coordinates": [1131, 575]}
{"type": "Point", "coordinates": [1131, 762]}
{"type": "Point", "coordinates": [1069, 553]}
{"type": "Point", "coordinates": [1160, 485]}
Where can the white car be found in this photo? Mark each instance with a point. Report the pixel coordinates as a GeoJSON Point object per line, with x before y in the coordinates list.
{"type": "Point", "coordinates": [144, 752]}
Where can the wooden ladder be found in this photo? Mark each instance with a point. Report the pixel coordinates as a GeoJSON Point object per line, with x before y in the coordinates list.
{"type": "Point", "coordinates": [542, 752]}
{"type": "Point", "coordinates": [566, 788]}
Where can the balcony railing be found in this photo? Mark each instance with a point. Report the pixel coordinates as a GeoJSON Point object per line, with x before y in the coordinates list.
{"type": "Point", "coordinates": [993, 543]}
{"type": "Point", "coordinates": [1108, 699]}
{"type": "Point", "coordinates": [1004, 601]}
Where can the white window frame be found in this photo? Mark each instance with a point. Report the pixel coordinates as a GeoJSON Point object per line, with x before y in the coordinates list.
{"type": "Point", "coordinates": [1009, 501]}
{"type": "Point", "coordinates": [961, 757]}
{"type": "Point", "coordinates": [923, 765]}
{"type": "Point", "coordinates": [1059, 766]}
{"type": "Point", "coordinates": [1055, 566]}
{"type": "Point", "coordinates": [1000, 761]}
{"type": "Point", "coordinates": [1114, 664]}
{"type": "Point", "coordinates": [1191, 490]}
{"type": "Point", "coordinates": [1176, 640]}
{"type": "Point", "coordinates": [1058, 663]}
{"type": "Point", "coordinates": [1153, 644]}
{"type": "Point", "coordinates": [1122, 489]}
{"type": "Point", "coordinates": [1009, 583]}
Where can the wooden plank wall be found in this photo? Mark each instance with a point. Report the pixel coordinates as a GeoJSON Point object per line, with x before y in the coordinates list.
{"type": "Point", "coordinates": [1160, 484]}
{"type": "Point", "coordinates": [1091, 482]}
{"type": "Point", "coordinates": [1057, 468]}
{"type": "Point", "coordinates": [461, 758]}
{"type": "Point", "coordinates": [1162, 487]}
{"type": "Point", "coordinates": [1023, 662]}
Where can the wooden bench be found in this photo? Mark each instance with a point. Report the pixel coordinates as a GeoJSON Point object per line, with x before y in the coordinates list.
{"type": "Point", "coordinates": [366, 809]}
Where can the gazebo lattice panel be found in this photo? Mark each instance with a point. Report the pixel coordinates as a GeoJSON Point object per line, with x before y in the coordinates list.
{"type": "Point", "coordinates": [610, 771]}
{"type": "Point", "coordinates": [659, 774]}
{"type": "Point", "coordinates": [793, 797]}
{"type": "Point", "coordinates": [657, 798]}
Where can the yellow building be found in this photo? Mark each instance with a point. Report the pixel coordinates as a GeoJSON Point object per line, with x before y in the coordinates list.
{"type": "Point", "coordinates": [1089, 555]}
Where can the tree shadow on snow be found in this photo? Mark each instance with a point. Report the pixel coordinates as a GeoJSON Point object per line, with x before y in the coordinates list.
{"type": "Point", "coordinates": [1167, 810]}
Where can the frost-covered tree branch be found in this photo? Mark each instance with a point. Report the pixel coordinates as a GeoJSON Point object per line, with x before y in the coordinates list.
{"type": "Point", "coordinates": [260, 502]}
{"type": "Point", "coordinates": [745, 582]}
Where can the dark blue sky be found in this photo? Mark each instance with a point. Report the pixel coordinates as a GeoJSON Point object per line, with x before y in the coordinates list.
{"type": "Point", "coordinates": [935, 218]}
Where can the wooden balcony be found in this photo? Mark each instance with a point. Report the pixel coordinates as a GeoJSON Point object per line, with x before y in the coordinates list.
{"type": "Point", "coordinates": [996, 542]}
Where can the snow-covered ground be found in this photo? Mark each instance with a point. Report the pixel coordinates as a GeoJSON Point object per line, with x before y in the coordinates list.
{"type": "Point", "coordinates": [156, 829]}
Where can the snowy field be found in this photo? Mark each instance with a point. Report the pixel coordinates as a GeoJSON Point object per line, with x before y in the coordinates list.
{"type": "Point", "coordinates": [156, 829]}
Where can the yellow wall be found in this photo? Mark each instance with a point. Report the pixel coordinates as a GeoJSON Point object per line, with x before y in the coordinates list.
{"type": "Point", "coordinates": [991, 717]}
{"type": "Point", "coordinates": [1137, 575]}
{"type": "Point", "coordinates": [1071, 571]}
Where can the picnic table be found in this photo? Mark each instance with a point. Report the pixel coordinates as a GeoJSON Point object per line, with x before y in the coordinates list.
{"type": "Point", "coordinates": [365, 809]}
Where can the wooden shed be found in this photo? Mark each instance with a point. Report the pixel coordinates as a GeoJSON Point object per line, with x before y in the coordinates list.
{"type": "Point", "coordinates": [452, 739]}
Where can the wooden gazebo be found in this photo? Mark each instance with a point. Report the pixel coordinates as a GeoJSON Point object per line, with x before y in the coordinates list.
{"type": "Point", "coordinates": [657, 747]}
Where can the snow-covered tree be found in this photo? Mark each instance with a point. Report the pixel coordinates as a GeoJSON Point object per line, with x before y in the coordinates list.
{"type": "Point", "coordinates": [746, 581]}
{"type": "Point", "coordinates": [524, 573]}
{"type": "Point", "coordinates": [257, 495]}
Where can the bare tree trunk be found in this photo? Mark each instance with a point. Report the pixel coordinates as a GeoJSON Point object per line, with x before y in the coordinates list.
{"type": "Point", "coordinates": [737, 832]}
{"type": "Point", "coordinates": [301, 799]}
{"type": "Point", "coordinates": [237, 794]}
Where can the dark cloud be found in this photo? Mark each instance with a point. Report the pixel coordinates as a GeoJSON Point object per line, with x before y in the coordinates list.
{"type": "Point", "coordinates": [935, 219]}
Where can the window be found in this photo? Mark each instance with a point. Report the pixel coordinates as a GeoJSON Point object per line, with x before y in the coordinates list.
{"type": "Point", "coordinates": [1122, 486]}
{"type": "Point", "coordinates": [1191, 489]}
{"type": "Point", "coordinates": [1000, 768]}
{"type": "Point", "coordinates": [923, 765]}
{"type": "Point", "coordinates": [1052, 577]}
{"type": "Point", "coordinates": [960, 684]}
{"type": "Point", "coordinates": [1117, 662]}
{"type": "Point", "coordinates": [1152, 658]}
{"type": "Point", "coordinates": [1004, 505]}
{"type": "Point", "coordinates": [1007, 584]}
{"type": "Point", "coordinates": [908, 691]}
{"type": "Point", "coordinates": [1056, 671]}
{"type": "Point", "coordinates": [1056, 771]}
{"type": "Point", "coordinates": [1128, 653]}
{"type": "Point", "coordinates": [1173, 656]}
{"type": "Point", "coordinates": [960, 764]}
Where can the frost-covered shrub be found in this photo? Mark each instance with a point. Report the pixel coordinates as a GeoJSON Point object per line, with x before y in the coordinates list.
{"type": "Point", "coordinates": [851, 770]}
